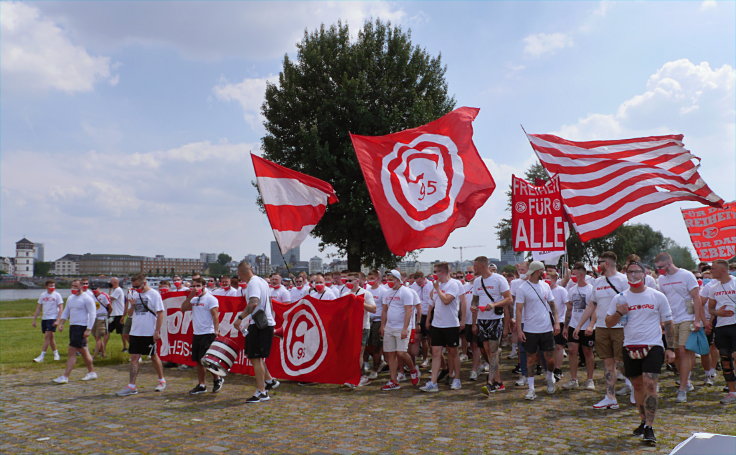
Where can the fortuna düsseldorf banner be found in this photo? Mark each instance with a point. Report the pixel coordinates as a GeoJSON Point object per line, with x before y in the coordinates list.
{"type": "Point", "coordinates": [537, 216]}
{"type": "Point", "coordinates": [712, 231]}
{"type": "Point", "coordinates": [320, 343]}
{"type": "Point", "coordinates": [425, 182]}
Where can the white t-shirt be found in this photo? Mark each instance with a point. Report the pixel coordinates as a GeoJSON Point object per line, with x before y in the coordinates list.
{"type": "Point", "coordinates": [445, 316]}
{"type": "Point", "coordinates": [181, 289]}
{"type": "Point", "coordinates": [377, 294]}
{"type": "Point", "coordinates": [647, 310]}
{"type": "Point", "coordinates": [296, 294]}
{"type": "Point", "coordinates": [117, 296]}
{"type": "Point", "coordinates": [202, 313]}
{"type": "Point", "coordinates": [79, 310]}
{"type": "Point", "coordinates": [423, 292]}
{"type": "Point", "coordinates": [651, 282]}
{"type": "Point", "coordinates": [280, 294]}
{"type": "Point", "coordinates": [398, 302]}
{"type": "Point", "coordinates": [676, 288]}
{"type": "Point", "coordinates": [561, 298]}
{"type": "Point", "coordinates": [580, 297]}
{"type": "Point", "coordinates": [230, 292]}
{"type": "Point", "coordinates": [535, 299]}
{"type": "Point", "coordinates": [725, 296]}
{"type": "Point", "coordinates": [258, 287]}
{"type": "Point", "coordinates": [50, 304]}
{"type": "Point", "coordinates": [327, 294]}
{"type": "Point", "coordinates": [603, 294]}
{"type": "Point", "coordinates": [495, 285]}
{"type": "Point", "coordinates": [101, 304]}
{"type": "Point", "coordinates": [144, 323]}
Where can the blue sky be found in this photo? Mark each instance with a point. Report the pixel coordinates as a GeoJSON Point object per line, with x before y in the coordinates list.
{"type": "Point", "coordinates": [125, 126]}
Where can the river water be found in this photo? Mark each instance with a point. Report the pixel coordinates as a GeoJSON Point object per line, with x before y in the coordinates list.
{"type": "Point", "coordinates": [17, 294]}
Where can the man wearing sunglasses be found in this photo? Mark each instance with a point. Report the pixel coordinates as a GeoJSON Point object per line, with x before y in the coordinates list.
{"type": "Point", "coordinates": [206, 325]}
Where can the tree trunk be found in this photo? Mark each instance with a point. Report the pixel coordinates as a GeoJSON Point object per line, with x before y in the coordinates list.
{"type": "Point", "coordinates": [354, 255]}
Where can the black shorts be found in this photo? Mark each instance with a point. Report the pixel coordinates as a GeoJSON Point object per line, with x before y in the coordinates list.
{"type": "Point", "coordinates": [559, 338]}
{"type": "Point", "coordinates": [200, 344]}
{"type": "Point", "coordinates": [423, 329]}
{"type": "Point", "coordinates": [76, 336]}
{"type": "Point", "coordinates": [142, 345]}
{"type": "Point", "coordinates": [490, 330]}
{"type": "Point", "coordinates": [726, 338]}
{"type": "Point", "coordinates": [583, 339]}
{"type": "Point", "coordinates": [258, 342]}
{"type": "Point", "coordinates": [467, 332]}
{"type": "Point", "coordinates": [652, 363]}
{"type": "Point", "coordinates": [116, 325]}
{"type": "Point", "coordinates": [47, 325]}
{"type": "Point", "coordinates": [448, 337]}
{"type": "Point", "coordinates": [539, 342]}
{"type": "Point", "coordinates": [374, 338]}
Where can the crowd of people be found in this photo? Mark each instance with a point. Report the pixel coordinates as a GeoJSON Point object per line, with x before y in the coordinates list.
{"type": "Point", "coordinates": [635, 317]}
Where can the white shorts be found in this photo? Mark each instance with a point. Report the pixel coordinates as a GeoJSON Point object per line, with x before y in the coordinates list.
{"type": "Point", "coordinates": [392, 341]}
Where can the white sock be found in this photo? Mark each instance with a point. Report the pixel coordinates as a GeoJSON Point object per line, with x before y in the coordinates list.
{"type": "Point", "coordinates": [530, 382]}
{"type": "Point", "coordinates": [712, 372]}
{"type": "Point", "coordinates": [628, 383]}
{"type": "Point", "coordinates": [43, 354]}
{"type": "Point", "coordinates": [550, 376]}
{"type": "Point", "coordinates": [132, 386]}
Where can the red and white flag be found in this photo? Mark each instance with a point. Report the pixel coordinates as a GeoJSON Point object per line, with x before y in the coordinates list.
{"type": "Point", "coordinates": [605, 183]}
{"type": "Point", "coordinates": [425, 182]}
{"type": "Point", "coordinates": [712, 231]}
{"type": "Point", "coordinates": [537, 216]}
{"type": "Point", "coordinates": [294, 202]}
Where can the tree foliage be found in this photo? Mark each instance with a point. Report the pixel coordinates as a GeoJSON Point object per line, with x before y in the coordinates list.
{"type": "Point", "coordinates": [377, 84]}
{"type": "Point", "coordinates": [224, 259]}
{"type": "Point", "coordinates": [42, 268]}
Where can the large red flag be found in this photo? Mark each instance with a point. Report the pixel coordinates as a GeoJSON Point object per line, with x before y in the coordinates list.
{"type": "Point", "coordinates": [537, 216]}
{"type": "Point", "coordinates": [320, 343]}
{"type": "Point", "coordinates": [425, 182]}
{"type": "Point", "coordinates": [712, 231]}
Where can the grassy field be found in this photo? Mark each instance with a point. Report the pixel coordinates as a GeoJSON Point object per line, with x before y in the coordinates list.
{"type": "Point", "coordinates": [17, 308]}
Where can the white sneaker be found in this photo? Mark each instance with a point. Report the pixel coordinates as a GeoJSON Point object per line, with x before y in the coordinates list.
{"type": "Point", "coordinates": [161, 386]}
{"type": "Point", "coordinates": [456, 385]}
{"type": "Point", "coordinates": [463, 357]}
{"type": "Point", "coordinates": [372, 375]}
{"type": "Point", "coordinates": [530, 395]}
{"type": "Point", "coordinates": [430, 387]}
{"type": "Point", "coordinates": [61, 380]}
{"type": "Point", "coordinates": [589, 385]}
{"type": "Point", "coordinates": [90, 376]}
{"type": "Point", "coordinates": [551, 386]}
{"type": "Point", "coordinates": [623, 391]}
{"type": "Point", "coordinates": [620, 376]}
{"type": "Point", "coordinates": [363, 381]}
{"type": "Point", "coordinates": [512, 355]}
{"type": "Point", "coordinates": [366, 366]}
{"type": "Point", "coordinates": [521, 381]}
{"type": "Point", "coordinates": [485, 367]}
{"type": "Point", "coordinates": [571, 384]}
{"type": "Point", "coordinates": [606, 403]}
{"type": "Point", "coordinates": [681, 396]}
{"type": "Point", "coordinates": [690, 386]}
{"type": "Point", "coordinates": [708, 380]}
{"type": "Point", "coordinates": [400, 377]}
{"type": "Point", "coordinates": [39, 359]}
{"type": "Point", "coordinates": [473, 375]}
{"type": "Point", "coordinates": [426, 363]}
{"type": "Point", "coordinates": [57, 356]}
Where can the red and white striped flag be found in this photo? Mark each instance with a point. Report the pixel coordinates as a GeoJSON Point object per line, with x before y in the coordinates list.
{"type": "Point", "coordinates": [605, 183]}
{"type": "Point", "coordinates": [294, 202]}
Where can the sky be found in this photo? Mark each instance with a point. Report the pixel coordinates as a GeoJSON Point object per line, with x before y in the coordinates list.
{"type": "Point", "coordinates": [125, 127]}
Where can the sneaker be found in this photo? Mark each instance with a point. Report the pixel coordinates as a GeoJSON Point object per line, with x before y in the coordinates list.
{"type": "Point", "coordinates": [690, 386]}
{"type": "Point", "coordinates": [551, 386]}
{"type": "Point", "coordinates": [708, 380]}
{"type": "Point", "coordinates": [521, 381]}
{"type": "Point", "coordinates": [199, 388]}
{"type": "Point", "coordinates": [429, 387]}
{"type": "Point", "coordinates": [625, 390]}
{"type": "Point", "coordinates": [39, 359]}
{"type": "Point", "coordinates": [620, 376]}
{"type": "Point", "coordinates": [161, 386]}
{"type": "Point", "coordinates": [272, 384]}
{"type": "Point", "coordinates": [530, 395]}
{"type": "Point", "coordinates": [498, 387]}
{"type": "Point", "coordinates": [589, 385]}
{"type": "Point", "coordinates": [426, 363]}
{"type": "Point", "coordinates": [649, 436]}
{"type": "Point", "coordinates": [372, 375]}
{"type": "Point", "coordinates": [363, 381]}
{"type": "Point", "coordinates": [485, 367]}
{"type": "Point", "coordinates": [217, 385]}
{"type": "Point", "coordinates": [127, 391]}
{"type": "Point", "coordinates": [183, 367]}
{"type": "Point", "coordinates": [517, 369]}
{"type": "Point", "coordinates": [390, 385]}
{"type": "Point", "coordinates": [538, 371]}
{"type": "Point", "coordinates": [90, 376]}
{"type": "Point", "coordinates": [366, 366]}
{"type": "Point", "coordinates": [681, 396]}
{"type": "Point", "coordinates": [456, 385]}
{"type": "Point", "coordinates": [512, 355]}
{"type": "Point", "coordinates": [473, 375]}
{"type": "Point", "coordinates": [264, 396]}
{"type": "Point", "coordinates": [254, 399]}
{"type": "Point", "coordinates": [57, 356]}
{"type": "Point", "coordinates": [383, 367]}
{"type": "Point", "coordinates": [400, 377]}
{"type": "Point", "coordinates": [463, 358]}
{"type": "Point", "coordinates": [639, 431]}
{"type": "Point", "coordinates": [606, 403]}
{"type": "Point", "coordinates": [414, 375]}
{"type": "Point", "coordinates": [729, 399]}
{"type": "Point", "coordinates": [571, 384]}
{"type": "Point", "coordinates": [61, 380]}
{"type": "Point", "coordinates": [557, 376]}
{"type": "Point", "coordinates": [349, 385]}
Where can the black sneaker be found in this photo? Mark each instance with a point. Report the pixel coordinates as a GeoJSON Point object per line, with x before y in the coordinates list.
{"type": "Point", "coordinates": [217, 385]}
{"type": "Point", "coordinates": [639, 430]}
{"type": "Point", "coordinates": [442, 375]}
{"type": "Point", "coordinates": [199, 388]}
{"type": "Point", "coordinates": [263, 396]}
{"type": "Point", "coordinates": [557, 374]}
{"type": "Point", "coordinates": [649, 436]}
{"type": "Point", "coordinates": [538, 371]}
{"type": "Point", "coordinates": [254, 399]}
{"type": "Point", "coordinates": [517, 369]}
{"type": "Point", "coordinates": [272, 384]}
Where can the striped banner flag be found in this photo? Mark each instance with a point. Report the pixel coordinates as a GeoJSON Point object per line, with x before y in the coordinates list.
{"type": "Point", "coordinates": [605, 183]}
{"type": "Point", "coordinates": [294, 202]}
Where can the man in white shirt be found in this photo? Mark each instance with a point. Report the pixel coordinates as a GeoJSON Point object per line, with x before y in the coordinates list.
{"type": "Point", "coordinates": [722, 306]}
{"type": "Point", "coordinates": [226, 289]}
{"type": "Point", "coordinates": [117, 299]}
{"type": "Point", "coordinates": [50, 304]}
{"type": "Point", "coordinates": [423, 288]}
{"type": "Point", "coordinates": [148, 314]}
{"type": "Point", "coordinates": [683, 294]}
{"type": "Point", "coordinates": [579, 297]}
{"type": "Point", "coordinates": [179, 284]}
{"type": "Point", "coordinates": [278, 291]}
{"type": "Point", "coordinates": [396, 324]}
{"type": "Point", "coordinates": [319, 289]}
{"type": "Point", "coordinates": [80, 312]}
{"type": "Point", "coordinates": [642, 311]}
{"type": "Point", "coordinates": [537, 324]}
{"type": "Point", "coordinates": [560, 295]}
{"type": "Point", "coordinates": [299, 290]}
{"type": "Point", "coordinates": [206, 326]}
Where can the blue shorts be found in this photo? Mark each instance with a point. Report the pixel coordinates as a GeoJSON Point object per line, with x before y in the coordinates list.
{"type": "Point", "coordinates": [47, 325]}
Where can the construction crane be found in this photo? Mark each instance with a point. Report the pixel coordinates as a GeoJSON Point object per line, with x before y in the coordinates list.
{"type": "Point", "coordinates": [463, 247]}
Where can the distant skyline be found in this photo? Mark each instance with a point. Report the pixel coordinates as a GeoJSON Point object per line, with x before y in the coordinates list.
{"type": "Point", "coordinates": [125, 127]}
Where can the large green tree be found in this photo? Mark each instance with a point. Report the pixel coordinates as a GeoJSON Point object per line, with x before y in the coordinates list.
{"type": "Point", "coordinates": [377, 84]}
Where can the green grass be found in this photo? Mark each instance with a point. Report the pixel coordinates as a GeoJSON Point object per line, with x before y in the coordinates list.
{"type": "Point", "coordinates": [18, 308]}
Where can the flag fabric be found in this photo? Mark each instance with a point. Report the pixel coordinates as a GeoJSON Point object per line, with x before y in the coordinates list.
{"type": "Point", "coordinates": [425, 182]}
{"type": "Point", "coordinates": [537, 216]}
{"type": "Point", "coordinates": [712, 231]}
{"type": "Point", "coordinates": [605, 183]}
{"type": "Point", "coordinates": [294, 202]}
{"type": "Point", "coordinates": [319, 340]}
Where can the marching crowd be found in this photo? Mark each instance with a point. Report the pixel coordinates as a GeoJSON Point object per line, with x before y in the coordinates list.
{"type": "Point", "coordinates": [636, 319]}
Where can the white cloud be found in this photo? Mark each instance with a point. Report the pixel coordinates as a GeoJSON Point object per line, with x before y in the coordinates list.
{"type": "Point", "coordinates": [708, 5]}
{"type": "Point", "coordinates": [542, 44]}
{"type": "Point", "coordinates": [249, 93]}
{"type": "Point", "coordinates": [37, 54]}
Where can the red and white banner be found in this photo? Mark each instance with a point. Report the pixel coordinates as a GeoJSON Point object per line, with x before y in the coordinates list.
{"type": "Point", "coordinates": [294, 202]}
{"type": "Point", "coordinates": [537, 216]}
{"type": "Point", "coordinates": [321, 339]}
{"type": "Point", "coordinates": [712, 231]}
{"type": "Point", "coordinates": [425, 182]}
{"type": "Point", "coordinates": [605, 183]}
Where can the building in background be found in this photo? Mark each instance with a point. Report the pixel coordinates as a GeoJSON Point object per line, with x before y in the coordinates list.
{"type": "Point", "coordinates": [277, 261]}
{"type": "Point", "coordinates": [24, 255]}
{"type": "Point", "coordinates": [67, 265]}
{"type": "Point", "coordinates": [315, 265]}
{"type": "Point", "coordinates": [208, 258]}
{"type": "Point", "coordinates": [7, 265]}
{"type": "Point", "coordinates": [39, 256]}
{"type": "Point", "coordinates": [261, 265]}
{"type": "Point", "coordinates": [163, 266]}
{"type": "Point", "coordinates": [508, 255]}
{"type": "Point", "coordinates": [110, 264]}
{"type": "Point", "coordinates": [410, 267]}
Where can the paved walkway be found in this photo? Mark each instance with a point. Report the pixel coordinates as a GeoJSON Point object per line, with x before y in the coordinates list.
{"type": "Point", "coordinates": [79, 417]}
